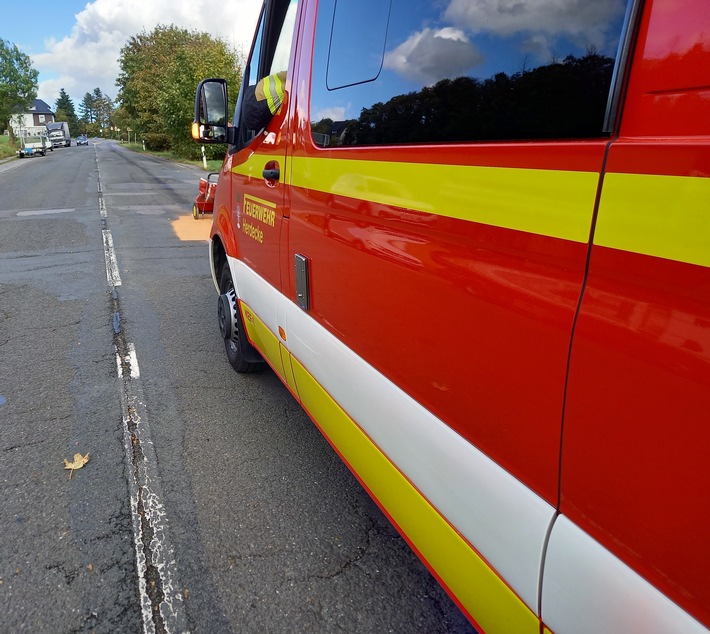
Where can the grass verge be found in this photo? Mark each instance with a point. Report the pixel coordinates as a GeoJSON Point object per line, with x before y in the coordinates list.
{"type": "Point", "coordinates": [212, 166]}
{"type": "Point", "coordinates": [6, 150]}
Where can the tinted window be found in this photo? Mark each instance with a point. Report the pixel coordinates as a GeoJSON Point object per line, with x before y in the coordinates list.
{"type": "Point", "coordinates": [422, 71]}
{"type": "Point", "coordinates": [356, 55]}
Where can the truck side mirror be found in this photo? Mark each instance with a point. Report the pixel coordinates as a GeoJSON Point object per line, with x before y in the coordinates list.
{"type": "Point", "coordinates": [211, 116]}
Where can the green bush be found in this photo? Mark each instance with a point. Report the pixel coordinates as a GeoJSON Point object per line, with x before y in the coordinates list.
{"type": "Point", "coordinates": [156, 142]}
{"type": "Point", "coordinates": [215, 152]}
{"type": "Point", "coordinates": [192, 150]}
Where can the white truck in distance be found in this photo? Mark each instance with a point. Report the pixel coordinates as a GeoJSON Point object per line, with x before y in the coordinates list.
{"type": "Point", "coordinates": [58, 133]}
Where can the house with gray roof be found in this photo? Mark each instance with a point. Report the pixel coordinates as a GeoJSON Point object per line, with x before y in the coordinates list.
{"type": "Point", "coordinates": [32, 123]}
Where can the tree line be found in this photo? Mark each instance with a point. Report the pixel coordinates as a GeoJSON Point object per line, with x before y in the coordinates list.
{"type": "Point", "coordinates": [95, 113]}
{"type": "Point", "coordinates": [566, 99]}
{"type": "Point", "coordinates": [159, 72]}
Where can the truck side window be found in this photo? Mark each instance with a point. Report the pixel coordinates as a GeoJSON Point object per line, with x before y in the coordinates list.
{"type": "Point", "coordinates": [347, 44]}
{"type": "Point", "coordinates": [415, 71]}
{"type": "Point", "coordinates": [269, 56]}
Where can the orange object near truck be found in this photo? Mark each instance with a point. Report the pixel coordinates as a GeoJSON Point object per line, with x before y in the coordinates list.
{"type": "Point", "coordinates": [474, 243]}
{"type": "Point", "coordinates": [204, 201]}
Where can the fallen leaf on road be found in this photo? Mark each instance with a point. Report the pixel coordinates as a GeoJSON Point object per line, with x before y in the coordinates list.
{"type": "Point", "coordinates": [79, 462]}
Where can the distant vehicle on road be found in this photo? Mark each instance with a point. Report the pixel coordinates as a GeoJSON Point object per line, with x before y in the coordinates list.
{"type": "Point", "coordinates": [82, 140]}
{"type": "Point", "coordinates": [58, 133]}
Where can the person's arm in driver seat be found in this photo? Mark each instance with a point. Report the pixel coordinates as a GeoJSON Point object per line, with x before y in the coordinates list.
{"type": "Point", "coordinates": [262, 101]}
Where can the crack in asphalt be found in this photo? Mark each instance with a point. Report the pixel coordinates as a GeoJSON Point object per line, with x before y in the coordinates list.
{"type": "Point", "coordinates": [23, 445]}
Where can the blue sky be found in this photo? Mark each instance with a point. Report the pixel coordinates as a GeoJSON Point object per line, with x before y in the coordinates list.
{"type": "Point", "coordinates": [57, 18]}
{"type": "Point", "coordinates": [75, 44]}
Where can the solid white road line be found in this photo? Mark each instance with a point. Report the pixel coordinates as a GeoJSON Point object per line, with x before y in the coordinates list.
{"type": "Point", "coordinates": [162, 607]}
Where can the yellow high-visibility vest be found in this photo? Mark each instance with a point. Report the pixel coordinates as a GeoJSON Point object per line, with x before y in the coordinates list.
{"type": "Point", "coordinates": [271, 89]}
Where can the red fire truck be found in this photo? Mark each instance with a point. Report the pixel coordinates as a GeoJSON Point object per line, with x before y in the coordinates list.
{"type": "Point", "coordinates": [474, 243]}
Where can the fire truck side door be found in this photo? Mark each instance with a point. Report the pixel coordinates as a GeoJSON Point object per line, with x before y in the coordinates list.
{"type": "Point", "coordinates": [258, 165]}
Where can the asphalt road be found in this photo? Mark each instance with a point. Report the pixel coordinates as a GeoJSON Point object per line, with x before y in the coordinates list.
{"type": "Point", "coordinates": [210, 502]}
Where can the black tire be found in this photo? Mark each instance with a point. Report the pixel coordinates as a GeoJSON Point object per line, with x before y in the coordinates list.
{"type": "Point", "coordinates": [195, 211]}
{"type": "Point", "coordinates": [242, 356]}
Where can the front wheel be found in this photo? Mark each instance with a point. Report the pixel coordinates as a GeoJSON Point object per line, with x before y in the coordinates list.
{"type": "Point", "coordinates": [195, 211]}
{"type": "Point", "coordinates": [242, 356]}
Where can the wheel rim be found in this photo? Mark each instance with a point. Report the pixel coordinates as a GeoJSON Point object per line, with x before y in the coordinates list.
{"type": "Point", "coordinates": [227, 317]}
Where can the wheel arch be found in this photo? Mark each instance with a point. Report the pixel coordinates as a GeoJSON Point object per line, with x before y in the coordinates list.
{"type": "Point", "coordinates": [218, 256]}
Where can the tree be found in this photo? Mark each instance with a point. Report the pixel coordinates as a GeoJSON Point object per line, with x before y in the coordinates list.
{"type": "Point", "coordinates": [96, 111]}
{"type": "Point", "coordinates": [64, 110]}
{"type": "Point", "coordinates": [103, 107]}
{"type": "Point", "coordinates": [555, 101]}
{"type": "Point", "coordinates": [105, 111]}
{"type": "Point", "coordinates": [122, 123]}
{"type": "Point", "coordinates": [203, 57]}
{"type": "Point", "coordinates": [86, 109]}
{"type": "Point", "coordinates": [18, 83]}
{"type": "Point", "coordinates": [159, 73]}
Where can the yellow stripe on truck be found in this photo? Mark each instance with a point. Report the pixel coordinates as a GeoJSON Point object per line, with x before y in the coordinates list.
{"type": "Point", "coordinates": [657, 215]}
{"type": "Point", "coordinates": [265, 340]}
{"type": "Point", "coordinates": [479, 590]}
{"type": "Point", "coordinates": [476, 586]}
{"type": "Point", "coordinates": [662, 216]}
{"type": "Point", "coordinates": [552, 203]}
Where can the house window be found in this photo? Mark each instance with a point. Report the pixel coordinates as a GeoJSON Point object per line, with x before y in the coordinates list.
{"type": "Point", "coordinates": [41, 118]}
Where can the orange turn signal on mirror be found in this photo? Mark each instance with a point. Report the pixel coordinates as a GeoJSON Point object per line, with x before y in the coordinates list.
{"type": "Point", "coordinates": [195, 130]}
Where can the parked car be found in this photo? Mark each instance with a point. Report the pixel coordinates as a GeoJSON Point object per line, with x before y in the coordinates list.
{"type": "Point", "coordinates": [82, 140]}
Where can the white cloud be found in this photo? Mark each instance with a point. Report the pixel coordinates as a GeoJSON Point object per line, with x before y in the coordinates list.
{"type": "Point", "coordinates": [88, 57]}
{"type": "Point", "coordinates": [430, 55]}
{"type": "Point", "coordinates": [585, 20]}
{"type": "Point", "coordinates": [335, 114]}
{"type": "Point", "coordinates": [540, 45]}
